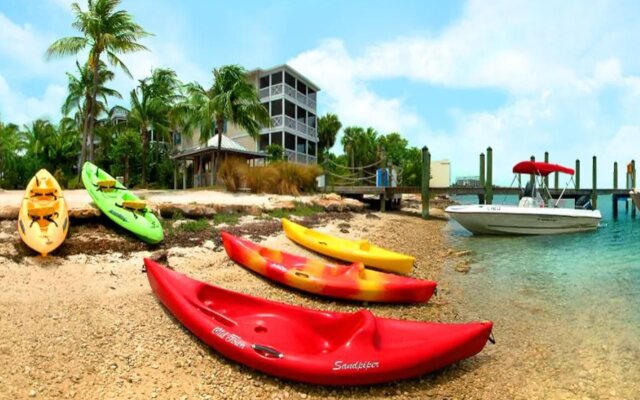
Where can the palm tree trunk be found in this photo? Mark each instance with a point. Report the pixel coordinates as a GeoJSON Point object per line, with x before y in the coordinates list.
{"type": "Point", "coordinates": [145, 149]}
{"type": "Point", "coordinates": [92, 110]}
{"type": "Point", "coordinates": [219, 127]}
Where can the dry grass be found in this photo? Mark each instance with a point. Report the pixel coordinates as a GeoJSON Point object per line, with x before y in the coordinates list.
{"type": "Point", "coordinates": [233, 172]}
{"type": "Point", "coordinates": [283, 178]}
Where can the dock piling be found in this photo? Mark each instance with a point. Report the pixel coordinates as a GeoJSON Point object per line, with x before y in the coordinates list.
{"type": "Point", "coordinates": [633, 185]}
{"type": "Point", "coordinates": [482, 166]}
{"type": "Point", "coordinates": [546, 159]}
{"type": "Point", "coordinates": [426, 176]}
{"type": "Point", "coordinates": [489, 183]}
{"type": "Point", "coordinates": [577, 180]}
{"type": "Point", "coordinates": [383, 195]}
{"type": "Point", "coordinates": [594, 188]}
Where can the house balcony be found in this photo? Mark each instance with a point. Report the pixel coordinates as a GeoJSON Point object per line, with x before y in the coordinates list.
{"type": "Point", "coordinates": [300, 158]}
{"type": "Point", "coordinates": [308, 101]}
{"type": "Point", "coordinates": [288, 122]}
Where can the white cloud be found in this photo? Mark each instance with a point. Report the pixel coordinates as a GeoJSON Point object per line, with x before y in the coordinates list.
{"type": "Point", "coordinates": [20, 109]}
{"type": "Point", "coordinates": [563, 67]}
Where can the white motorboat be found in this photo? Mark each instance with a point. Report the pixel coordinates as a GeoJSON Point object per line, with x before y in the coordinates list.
{"type": "Point", "coordinates": [532, 215]}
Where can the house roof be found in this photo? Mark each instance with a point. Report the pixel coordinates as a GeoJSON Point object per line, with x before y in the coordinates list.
{"type": "Point", "coordinates": [228, 145]}
{"type": "Point", "coordinates": [290, 69]}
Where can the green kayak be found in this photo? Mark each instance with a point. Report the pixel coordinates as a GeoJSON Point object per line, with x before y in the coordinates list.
{"type": "Point", "coordinates": [118, 203]}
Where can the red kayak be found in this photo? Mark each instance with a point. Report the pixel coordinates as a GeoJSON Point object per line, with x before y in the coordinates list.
{"type": "Point", "coordinates": [321, 347]}
{"type": "Point", "coordinates": [353, 281]}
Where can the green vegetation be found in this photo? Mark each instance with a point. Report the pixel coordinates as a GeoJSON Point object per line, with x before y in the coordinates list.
{"type": "Point", "coordinates": [226, 218]}
{"type": "Point", "coordinates": [300, 210]}
{"type": "Point", "coordinates": [194, 225]}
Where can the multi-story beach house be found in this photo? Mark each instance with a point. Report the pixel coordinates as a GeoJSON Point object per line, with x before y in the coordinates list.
{"type": "Point", "coordinates": [290, 98]}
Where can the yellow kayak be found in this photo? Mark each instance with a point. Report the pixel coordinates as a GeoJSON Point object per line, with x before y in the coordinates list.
{"type": "Point", "coordinates": [349, 250]}
{"type": "Point", "coordinates": [43, 221]}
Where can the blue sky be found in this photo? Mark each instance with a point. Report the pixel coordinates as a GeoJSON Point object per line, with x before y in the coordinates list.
{"type": "Point", "coordinates": [457, 76]}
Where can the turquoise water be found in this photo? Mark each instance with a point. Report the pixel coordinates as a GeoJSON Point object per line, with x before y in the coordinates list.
{"type": "Point", "coordinates": [575, 298]}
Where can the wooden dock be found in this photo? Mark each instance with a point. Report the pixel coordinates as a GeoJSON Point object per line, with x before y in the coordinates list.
{"type": "Point", "coordinates": [486, 190]}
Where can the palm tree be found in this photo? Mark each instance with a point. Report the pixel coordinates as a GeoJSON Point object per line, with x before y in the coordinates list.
{"type": "Point", "coordinates": [231, 98]}
{"type": "Point", "coordinates": [328, 127]}
{"type": "Point", "coordinates": [350, 139]}
{"type": "Point", "coordinates": [61, 146]}
{"type": "Point", "coordinates": [104, 30]}
{"type": "Point", "coordinates": [151, 105]}
{"type": "Point", "coordinates": [9, 150]}
{"type": "Point", "coordinates": [34, 138]}
{"type": "Point", "coordinates": [79, 97]}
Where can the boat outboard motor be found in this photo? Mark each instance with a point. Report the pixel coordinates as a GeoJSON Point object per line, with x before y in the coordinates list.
{"type": "Point", "coordinates": [584, 202]}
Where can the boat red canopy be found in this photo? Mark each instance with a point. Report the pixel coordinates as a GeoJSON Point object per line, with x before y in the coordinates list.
{"type": "Point", "coordinates": [540, 168]}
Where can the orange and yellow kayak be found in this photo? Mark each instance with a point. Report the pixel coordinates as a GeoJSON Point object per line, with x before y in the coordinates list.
{"type": "Point", "coordinates": [353, 282]}
{"type": "Point", "coordinates": [348, 250]}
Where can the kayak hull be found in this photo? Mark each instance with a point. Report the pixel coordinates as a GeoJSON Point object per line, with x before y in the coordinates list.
{"type": "Point", "coordinates": [43, 219]}
{"type": "Point", "coordinates": [348, 250]}
{"type": "Point", "coordinates": [353, 282]}
{"type": "Point", "coordinates": [319, 347]}
{"type": "Point", "coordinates": [143, 223]}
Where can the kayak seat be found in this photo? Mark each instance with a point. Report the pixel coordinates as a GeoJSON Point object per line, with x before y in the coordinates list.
{"type": "Point", "coordinates": [135, 205]}
{"type": "Point", "coordinates": [356, 269]}
{"type": "Point", "coordinates": [43, 192]}
{"type": "Point", "coordinates": [357, 328]}
{"type": "Point", "coordinates": [42, 214]}
{"type": "Point", "coordinates": [106, 185]}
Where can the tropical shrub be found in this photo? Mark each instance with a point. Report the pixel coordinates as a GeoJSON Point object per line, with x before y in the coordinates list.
{"type": "Point", "coordinates": [233, 172]}
{"type": "Point", "coordinates": [283, 178]}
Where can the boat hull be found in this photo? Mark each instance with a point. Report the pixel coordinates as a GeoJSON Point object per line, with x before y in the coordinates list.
{"type": "Point", "coordinates": [486, 219]}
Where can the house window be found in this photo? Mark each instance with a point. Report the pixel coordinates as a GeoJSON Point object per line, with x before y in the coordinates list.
{"type": "Point", "coordinates": [302, 115]}
{"type": "Point", "coordinates": [302, 146]}
{"type": "Point", "coordinates": [266, 106]}
{"type": "Point", "coordinates": [276, 108]}
{"type": "Point", "coordinates": [264, 82]}
{"type": "Point", "coordinates": [289, 109]}
{"type": "Point", "coordinates": [312, 149]}
{"type": "Point", "coordinates": [289, 79]}
{"type": "Point", "coordinates": [177, 138]}
{"type": "Point", "coordinates": [311, 93]}
{"type": "Point", "coordinates": [302, 88]}
{"type": "Point", "coordinates": [276, 78]}
{"type": "Point", "coordinates": [264, 141]}
{"type": "Point", "coordinates": [276, 138]}
{"type": "Point", "coordinates": [311, 121]}
{"type": "Point", "coordinates": [289, 141]}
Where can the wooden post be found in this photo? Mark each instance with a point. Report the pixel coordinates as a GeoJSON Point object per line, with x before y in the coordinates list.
{"type": "Point", "coordinates": [489, 184]}
{"type": "Point", "coordinates": [614, 197]}
{"type": "Point", "coordinates": [594, 188]}
{"type": "Point", "coordinates": [546, 178]}
{"type": "Point", "coordinates": [633, 183]}
{"type": "Point", "coordinates": [577, 180]}
{"type": "Point", "coordinates": [184, 175]}
{"type": "Point", "coordinates": [426, 175]}
{"type": "Point", "coordinates": [531, 176]}
{"type": "Point", "coordinates": [555, 180]}
{"type": "Point", "coordinates": [482, 181]}
{"type": "Point", "coordinates": [383, 196]}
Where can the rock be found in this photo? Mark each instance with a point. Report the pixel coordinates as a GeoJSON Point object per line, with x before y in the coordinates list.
{"type": "Point", "coordinates": [209, 245]}
{"type": "Point", "coordinates": [254, 210]}
{"type": "Point", "coordinates": [159, 256]}
{"type": "Point", "coordinates": [32, 393]}
{"type": "Point", "coordinates": [463, 268]}
{"type": "Point", "coordinates": [371, 216]}
{"type": "Point", "coordinates": [343, 230]}
{"type": "Point", "coordinates": [463, 253]}
{"type": "Point", "coordinates": [354, 205]}
{"type": "Point", "coordinates": [332, 197]}
{"type": "Point", "coordinates": [283, 205]}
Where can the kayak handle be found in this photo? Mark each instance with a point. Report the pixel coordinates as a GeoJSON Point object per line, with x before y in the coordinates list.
{"type": "Point", "coordinates": [322, 243]}
{"type": "Point", "coordinates": [302, 274]}
{"type": "Point", "coordinates": [492, 339]}
{"type": "Point", "coordinates": [266, 351]}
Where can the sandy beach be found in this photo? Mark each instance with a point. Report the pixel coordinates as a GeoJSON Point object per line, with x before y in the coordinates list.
{"type": "Point", "coordinates": [85, 324]}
